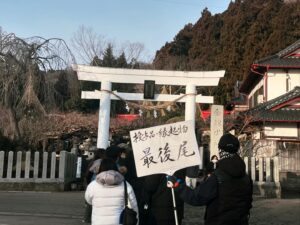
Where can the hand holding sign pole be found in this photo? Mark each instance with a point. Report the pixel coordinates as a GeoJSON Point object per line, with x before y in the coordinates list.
{"type": "Point", "coordinates": [165, 149]}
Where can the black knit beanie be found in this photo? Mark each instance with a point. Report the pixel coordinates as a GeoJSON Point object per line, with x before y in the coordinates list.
{"type": "Point", "coordinates": [113, 152]}
{"type": "Point", "coordinates": [229, 143]}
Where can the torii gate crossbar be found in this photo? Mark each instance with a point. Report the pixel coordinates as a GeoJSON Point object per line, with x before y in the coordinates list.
{"type": "Point", "coordinates": [107, 76]}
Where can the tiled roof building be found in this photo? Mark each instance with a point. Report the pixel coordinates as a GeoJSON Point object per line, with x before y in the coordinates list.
{"type": "Point", "coordinates": [287, 59]}
{"type": "Point", "coordinates": [282, 108]}
{"type": "Point", "coordinates": [272, 88]}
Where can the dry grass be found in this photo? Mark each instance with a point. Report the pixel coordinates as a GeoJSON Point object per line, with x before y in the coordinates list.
{"type": "Point", "coordinates": [5, 127]}
{"type": "Point", "coordinates": [54, 125]}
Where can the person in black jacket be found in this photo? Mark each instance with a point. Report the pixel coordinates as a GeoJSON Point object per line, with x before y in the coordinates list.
{"type": "Point", "coordinates": [161, 201]}
{"type": "Point", "coordinates": [227, 192]}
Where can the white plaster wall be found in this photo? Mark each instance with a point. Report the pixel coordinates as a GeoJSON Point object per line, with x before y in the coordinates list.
{"type": "Point", "coordinates": [276, 84]}
{"type": "Point", "coordinates": [295, 78]}
{"type": "Point", "coordinates": [281, 129]}
{"type": "Point", "coordinates": [261, 83]}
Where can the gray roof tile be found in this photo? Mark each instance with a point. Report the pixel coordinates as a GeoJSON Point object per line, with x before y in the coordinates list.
{"type": "Point", "coordinates": [263, 111]}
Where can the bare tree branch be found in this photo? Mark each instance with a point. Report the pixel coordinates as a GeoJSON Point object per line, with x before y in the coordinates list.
{"type": "Point", "coordinates": [23, 64]}
{"type": "Point", "coordinates": [133, 51]}
{"type": "Point", "coordinates": [87, 44]}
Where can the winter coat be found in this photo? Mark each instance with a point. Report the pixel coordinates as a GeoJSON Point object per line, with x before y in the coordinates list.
{"type": "Point", "coordinates": [161, 201]}
{"type": "Point", "coordinates": [227, 194]}
{"type": "Point", "coordinates": [106, 195]}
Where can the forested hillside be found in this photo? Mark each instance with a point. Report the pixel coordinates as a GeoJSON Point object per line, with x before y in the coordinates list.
{"type": "Point", "coordinates": [246, 31]}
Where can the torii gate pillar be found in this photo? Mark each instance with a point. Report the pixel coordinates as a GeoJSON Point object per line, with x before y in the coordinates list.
{"type": "Point", "coordinates": [104, 116]}
{"type": "Point", "coordinates": [190, 105]}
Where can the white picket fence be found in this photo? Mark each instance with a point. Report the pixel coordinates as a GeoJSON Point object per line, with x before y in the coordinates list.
{"type": "Point", "coordinates": [265, 175]}
{"type": "Point", "coordinates": [22, 167]}
{"type": "Point", "coordinates": [263, 169]}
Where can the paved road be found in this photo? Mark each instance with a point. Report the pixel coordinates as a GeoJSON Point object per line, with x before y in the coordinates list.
{"type": "Point", "coordinates": [264, 212]}
{"type": "Point", "coordinates": [41, 208]}
{"type": "Point", "coordinates": [66, 208]}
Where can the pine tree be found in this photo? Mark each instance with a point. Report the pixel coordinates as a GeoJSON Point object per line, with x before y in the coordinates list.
{"type": "Point", "coordinates": [121, 61]}
{"type": "Point", "coordinates": [108, 58]}
{"type": "Point", "coordinates": [247, 31]}
{"type": "Point", "coordinates": [96, 61]}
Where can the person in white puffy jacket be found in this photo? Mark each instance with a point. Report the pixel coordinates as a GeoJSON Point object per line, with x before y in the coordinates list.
{"type": "Point", "coordinates": [106, 195]}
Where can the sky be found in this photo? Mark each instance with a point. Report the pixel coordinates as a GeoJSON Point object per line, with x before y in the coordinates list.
{"type": "Point", "coordinates": [150, 22]}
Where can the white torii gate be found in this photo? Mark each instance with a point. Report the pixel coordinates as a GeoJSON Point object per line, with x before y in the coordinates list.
{"type": "Point", "coordinates": [107, 76]}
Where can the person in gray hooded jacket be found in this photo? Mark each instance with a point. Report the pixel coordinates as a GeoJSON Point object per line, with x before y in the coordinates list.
{"type": "Point", "coordinates": [106, 195]}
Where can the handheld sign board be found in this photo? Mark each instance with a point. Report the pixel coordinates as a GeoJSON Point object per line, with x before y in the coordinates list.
{"type": "Point", "coordinates": [164, 149]}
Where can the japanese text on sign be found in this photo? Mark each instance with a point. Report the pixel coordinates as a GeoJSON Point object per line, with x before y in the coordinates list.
{"type": "Point", "coordinates": [163, 149]}
{"type": "Point", "coordinates": [169, 130]}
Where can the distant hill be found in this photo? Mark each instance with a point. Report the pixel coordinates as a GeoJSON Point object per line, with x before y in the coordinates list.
{"type": "Point", "coordinates": [246, 31]}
